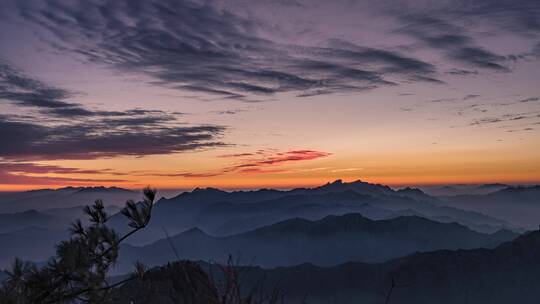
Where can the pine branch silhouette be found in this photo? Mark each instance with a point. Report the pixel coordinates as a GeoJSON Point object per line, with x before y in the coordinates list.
{"type": "Point", "coordinates": [79, 271]}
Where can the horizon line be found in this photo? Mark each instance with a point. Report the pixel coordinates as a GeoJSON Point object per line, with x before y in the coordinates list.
{"type": "Point", "coordinates": [284, 187]}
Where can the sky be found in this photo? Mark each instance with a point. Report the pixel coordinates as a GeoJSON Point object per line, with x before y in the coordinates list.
{"type": "Point", "coordinates": [249, 94]}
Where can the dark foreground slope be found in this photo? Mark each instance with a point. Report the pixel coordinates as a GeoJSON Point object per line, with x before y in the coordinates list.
{"type": "Point", "coordinates": [505, 274]}
{"type": "Point", "coordinates": [176, 283]}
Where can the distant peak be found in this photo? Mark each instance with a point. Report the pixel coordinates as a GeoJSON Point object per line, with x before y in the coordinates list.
{"type": "Point", "coordinates": [520, 188]}
{"type": "Point", "coordinates": [409, 189]}
{"type": "Point", "coordinates": [336, 182]}
{"type": "Point", "coordinates": [493, 185]}
{"type": "Point", "coordinates": [207, 189]}
{"type": "Point", "coordinates": [98, 189]}
{"type": "Point", "coordinates": [356, 186]}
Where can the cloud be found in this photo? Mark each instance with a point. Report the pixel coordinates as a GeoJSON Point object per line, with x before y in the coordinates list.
{"type": "Point", "coordinates": [530, 99]}
{"type": "Point", "coordinates": [263, 160]}
{"type": "Point", "coordinates": [186, 174]}
{"type": "Point", "coordinates": [29, 173]}
{"type": "Point", "coordinates": [442, 100]}
{"type": "Point", "coordinates": [235, 155]}
{"type": "Point", "coordinates": [452, 25]}
{"type": "Point", "coordinates": [512, 117]}
{"type": "Point", "coordinates": [479, 57]}
{"type": "Point", "coordinates": [440, 34]}
{"type": "Point", "coordinates": [283, 157]}
{"type": "Point", "coordinates": [536, 50]}
{"type": "Point", "coordinates": [263, 171]}
{"type": "Point", "coordinates": [22, 90]}
{"type": "Point", "coordinates": [63, 130]}
{"type": "Point", "coordinates": [461, 72]}
{"type": "Point", "coordinates": [200, 48]}
{"type": "Point", "coordinates": [91, 140]}
{"type": "Point", "coordinates": [14, 179]}
{"type": "Point", "coordinates": [347, 170]}
{"type": "Point", "coordinates": [471, 96]}
{"type": "Point", "coordinates": [228, 112]}
{"type": "Point", "coordinates": [21, 167]}
{"type": "Point", "coordinates": [519, 17]}
{"type": "Point", "coordinates": [25, 91]}
{"type": "Point", "coordinates": [258, 162]}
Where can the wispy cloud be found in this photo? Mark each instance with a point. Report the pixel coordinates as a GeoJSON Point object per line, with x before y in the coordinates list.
{"type": "Point", "coordinates": [29, 173]}
{"type": "Point", "coordinates": [436, 31]}
{"type": "Point", "coordinates": [258, 162]}
{"type": "Point", "coordinates": [506, 118]}
{"type": "Point", "coordinates": [347, 170]}
{"type": "Point", "coordinates": [442, 100]}
{"type": "Point", "coordinates": [471, 96]}
{"type": "Point", "coordinates": [200, 48]}
{"type": "Point", "coordinates": [31, 168]}
{"type": "Point", "coordinates": [60, 129]}
{"type": "Point", "coordinates": [530, 99]}
{"type": "Point", "coordinates": [283, 157]}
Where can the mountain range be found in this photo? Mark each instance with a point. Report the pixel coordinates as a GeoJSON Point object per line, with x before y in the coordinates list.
{"type": "Point", "coordinates": [330, 241]}
{"type": "Point", "coordinates": [63, 198]}
{"type": "Point", "coordinates": [224, 213]}
{"type": "Point", "coordinates": [33, 235]}
{"type": "Point", "coordinates": [517, 205]}
{"type": "Point", "coordinates": [453, 190]}
{"type": "Point", "coordinates": [507, 273]}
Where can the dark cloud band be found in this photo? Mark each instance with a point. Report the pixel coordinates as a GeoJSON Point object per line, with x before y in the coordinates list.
{"type": "Point", "coordinates": [63, 130]}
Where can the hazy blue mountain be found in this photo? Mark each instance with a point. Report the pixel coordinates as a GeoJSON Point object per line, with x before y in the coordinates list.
{"type": "Point", "coordinates": [329, 241]}
{"type": "Point", "coordinates": [73, 213]}
{"type": "Point", "coordinates": [463, 189]}
{"type": "Point", "coordinates": [31, 243]}
{"type": "Point", "coordinates": [493, 186]}
{"type": "Point", "coordinates": [310, 211]}
{"type": "Point", "coordinates": [222, 213]}
{"type": "Point", "coordinates": [63, 198]}
{"type": "Point", "coordinates": [357, 186]}
{"type": "Point", "coordinates": [518, 205]}
{"type": "Point", "coordinates": [50, 219]}
{"type": "Point", "coordinates": [16, 221]}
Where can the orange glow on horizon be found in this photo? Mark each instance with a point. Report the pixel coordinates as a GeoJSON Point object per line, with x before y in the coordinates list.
{"type": "Point", "coordinates": [241, 184]}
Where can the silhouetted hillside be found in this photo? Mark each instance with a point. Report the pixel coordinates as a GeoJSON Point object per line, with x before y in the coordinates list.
{"type": "Point", "coordinates": [505, 274]}
{"type": "Point", "coordinates": [175, 283]}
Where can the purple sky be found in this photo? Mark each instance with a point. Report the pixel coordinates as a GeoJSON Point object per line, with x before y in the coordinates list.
{"type": "Point", "coordinates": [244, 93]}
